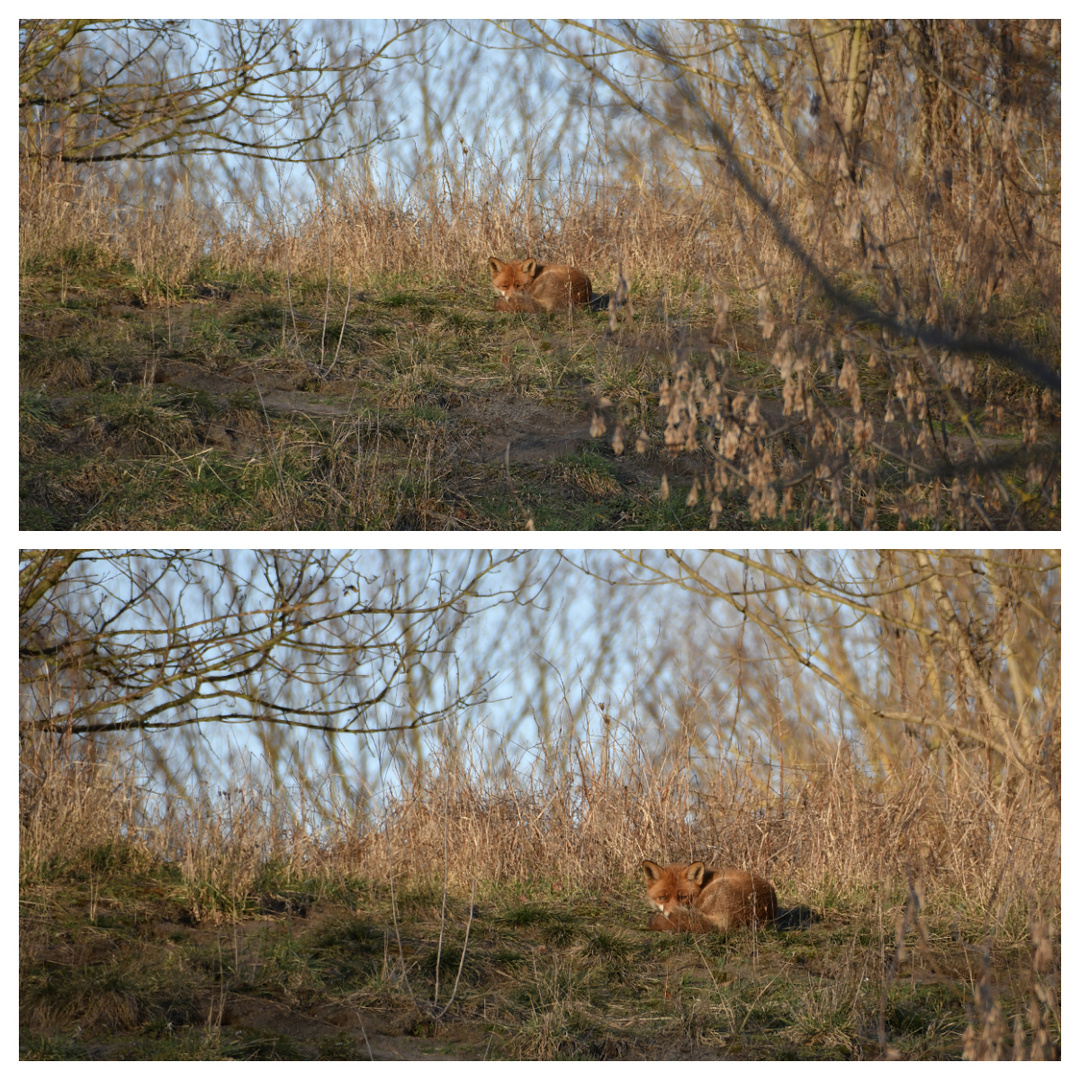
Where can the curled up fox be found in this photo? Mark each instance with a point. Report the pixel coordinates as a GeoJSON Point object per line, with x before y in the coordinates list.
{"type": "Point", "coordinates": [699, 899]}
{"type": "Point", "coordinates": [528, 286]}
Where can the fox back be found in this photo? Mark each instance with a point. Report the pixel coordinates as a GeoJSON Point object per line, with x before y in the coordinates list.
{"type": "Point", "coordinates": [699, 898]}
{"type": "Point", "coordinates": [525, 285]}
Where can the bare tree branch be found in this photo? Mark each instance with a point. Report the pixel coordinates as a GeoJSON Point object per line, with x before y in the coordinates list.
{"type": "Point", "coordinates": [113, 90]}
{"type": "Point", "coordinates": [117, 642]}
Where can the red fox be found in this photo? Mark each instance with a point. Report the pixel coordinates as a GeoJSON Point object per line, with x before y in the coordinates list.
{"type": "Point", "coordinates": [525, 285]}
{"type": "Point", "coordinates": [699, 898]}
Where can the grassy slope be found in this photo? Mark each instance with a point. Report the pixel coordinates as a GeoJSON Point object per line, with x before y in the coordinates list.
{"type": "Point", "coordinates": [122, 958]}
{"type": "Point", "coordinates": [229, 411]}
{"type": "Point", "coordinates": [233, 406]}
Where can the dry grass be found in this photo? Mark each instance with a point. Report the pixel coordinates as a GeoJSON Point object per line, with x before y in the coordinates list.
{"type": "Point", "coordinates": [728, 381]}
{"type": "Point", "coordinates": [938, 896]}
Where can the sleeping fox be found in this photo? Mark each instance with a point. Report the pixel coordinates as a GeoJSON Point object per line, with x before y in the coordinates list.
{"type": "Point", "coordinates": [699, 898]}
{"type": "Point", "coordinates": [525, 285]}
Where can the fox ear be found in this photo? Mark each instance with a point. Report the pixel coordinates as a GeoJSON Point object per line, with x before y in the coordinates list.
{"type": "Point", "coordinates": [496, 266]}
{"type": "Point", "coordinates": [528, 266]}
{"type": "Point", "coordinates": [652, 871]}
{"type": "Point", "coordinates": [695, 872]}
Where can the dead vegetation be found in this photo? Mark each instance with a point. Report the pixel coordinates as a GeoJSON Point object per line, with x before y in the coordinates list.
{"type": "Point", "coordinates": [476, 916]}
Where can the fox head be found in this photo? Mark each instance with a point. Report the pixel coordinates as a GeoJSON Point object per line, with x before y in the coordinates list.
{"type": "Point", "coordinates": [512, 277]}
{"type": "Point", "coordinates": [674, 886]}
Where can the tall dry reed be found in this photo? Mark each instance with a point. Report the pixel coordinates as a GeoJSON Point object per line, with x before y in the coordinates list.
{"type": "Point", "coordinates": [585, 817]}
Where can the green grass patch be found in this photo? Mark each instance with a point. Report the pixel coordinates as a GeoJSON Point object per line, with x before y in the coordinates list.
{"type": "Point", "coordinates": [150, 965]}
{"type": "Point", "coordinates": [393, 407]}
